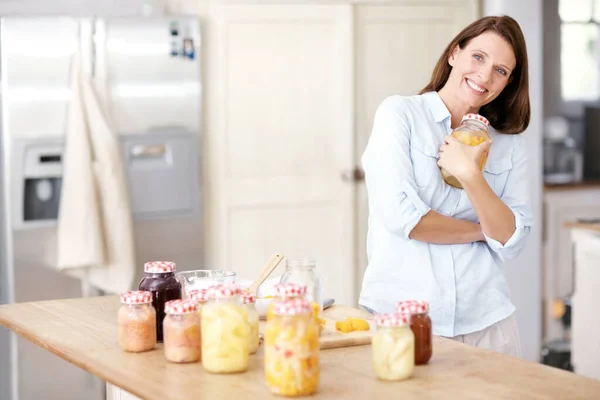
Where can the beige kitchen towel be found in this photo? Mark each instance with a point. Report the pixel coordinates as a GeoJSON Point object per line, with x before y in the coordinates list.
{"type": "Point", "coordinates": [113, 271]}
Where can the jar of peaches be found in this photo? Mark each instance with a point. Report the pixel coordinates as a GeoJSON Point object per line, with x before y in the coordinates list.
{"type": "Point", "coordinates": [225, 331]}
{"type": "Point", "coordinates": [248, 300]}
{"type": "Point", "coordinates": [137, 322]}
{"type": "Point", "coordinates": [393, 347]}
{"type": "Point", "coordinates": [472, 131]}
{"type": "Point", "coordinates": [181, 328]}
{"type": "Point", "coordinates": [292, 349]}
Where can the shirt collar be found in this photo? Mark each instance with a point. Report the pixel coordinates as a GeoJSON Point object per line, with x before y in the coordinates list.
{"type": "Point", "coordinates": [436, 106]}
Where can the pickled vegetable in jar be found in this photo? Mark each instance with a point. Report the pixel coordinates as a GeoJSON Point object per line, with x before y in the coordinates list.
{"type": "Point", "coordinates": [160, 279]}
{"type": "Point", "coordinates": [292, 349]}
{"type": "Point", "coordinates": [472, 131]}
{"type": "Point", "coordinates": [137, 322]}
{"type": "Point", "coordinates": [225, 331]}
{"type": "Point", "coordinates": [285, 291]}
{"type": "Point", "coordinates": [393, 347]}
{"type": "Point", "coordinates": [182, 342]}
{"type": "Point", "coordinates": [249, 299]}
{"type": "Point", "coordinates": [420, 323]}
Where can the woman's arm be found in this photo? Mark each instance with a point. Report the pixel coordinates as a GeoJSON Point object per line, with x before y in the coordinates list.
{"type": "Point", "coordinates": [392, 191]}
{"type": "Point", "coordinates": [441, 229]}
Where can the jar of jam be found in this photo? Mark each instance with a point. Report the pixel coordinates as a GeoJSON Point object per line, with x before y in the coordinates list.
{"type": "Point", "coordinates": [472, 131]}
{"type": "Point", "coordinates": [225, 331]}
{"type": "Point", "coordinates": [285, 291]}
{"type": "Point", "coordinates": [420, 323]}
{"type": "Point", "coordinates": [248, 299]}
{"type": "Point", "coordinates": [160, 280]}
{"type": "Point", "coordinates": [137, 322]}
{"type": "Point", "coordinates": [393, 347]}
{"type": "Point", "coordinates": [182, 332]}
{"type": "Point", "coordinates": [292, 349]}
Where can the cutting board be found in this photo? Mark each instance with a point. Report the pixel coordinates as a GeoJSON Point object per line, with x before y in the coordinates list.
{"type": "Point", "coordinates": [332, 338]}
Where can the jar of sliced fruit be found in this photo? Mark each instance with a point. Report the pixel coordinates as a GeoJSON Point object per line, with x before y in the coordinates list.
{"type": "Point", "coordinates": [225, 331]}
{"type": "Point", "coordinates": [181, 328]}
{"type": "Point", "coordinates": [472, 131]}
{"type": "Point", "coordinates": [137, 322]}
{"type": "Point", "coordinates": [248, 299]}
{"type": "Point", "coordinates": [393, 347]}
{"type": "Point", "coordinates": [292, 349]}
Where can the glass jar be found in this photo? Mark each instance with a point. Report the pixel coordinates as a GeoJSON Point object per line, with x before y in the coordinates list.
{"type": "Point", "coordinates": [393, 347]}
{"type": "Point", "coordinates": [200, 296]}
{"type": "Point", "coordinates": [182, 332]}
{"type": "Point", "coordinates": [303, 271]}
{"type": "Point", "coordinates": [248, 299]}
{"type": "Point", "coordinates": [472, 131]}
{"type": "Point", "coordinates": [137, 322]}
{"type": "Point", "coordinates": [160, 280]}
{"type": "Point", "coordinates": [225, 331]}
{"type": "Point", "coordinates": [285, 291]}
{"type": "Point", "coordinates": [420, 323]}
{"type": "Point", "coordinates": [203, 279]}
{"type": "Point", "coordinates": [292, 349]}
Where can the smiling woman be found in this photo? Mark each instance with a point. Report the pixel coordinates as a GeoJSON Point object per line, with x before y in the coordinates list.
{"type": "Point", "coordinates": [428, 240]}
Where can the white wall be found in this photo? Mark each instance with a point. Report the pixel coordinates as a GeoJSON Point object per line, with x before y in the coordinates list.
{"type": "Point", "coordinates": [524, 273]}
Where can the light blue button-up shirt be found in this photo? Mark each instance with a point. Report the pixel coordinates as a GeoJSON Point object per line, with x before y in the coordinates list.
{"type": "Point", "coordinates": [464, 283]}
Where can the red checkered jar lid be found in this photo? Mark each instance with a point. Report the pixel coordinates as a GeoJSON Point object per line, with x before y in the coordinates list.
{"type": "Point", "coordinates": [412, 307]}
{"type": "Point", "coordinates": [181, 306]}
{"type": "Point", "coordinates": [391, 320]}
{"type": "Point", "coordinates": [248, 298]}
{"type": "Point", "coordinates": [476, 117]}
{"type": "Point", "coordinates": [224, 291]}
{"type": "Point", "coordinates": [292, 307]}
{"type": "Point", "coordinates": [290, 289]}
{"type": "Point", "coordinates": [198, 295]}
{"type": "Point", "coordinates": [136, 297]}
{"type": "Point", "coordinates": [159, 267]}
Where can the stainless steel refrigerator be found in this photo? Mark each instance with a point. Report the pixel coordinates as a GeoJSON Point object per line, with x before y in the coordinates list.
{"type": "Point", "coordinates": [147, 73]}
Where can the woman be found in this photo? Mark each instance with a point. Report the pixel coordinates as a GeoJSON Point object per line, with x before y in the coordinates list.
{"type": "Point", "coordinates": [428, 240]}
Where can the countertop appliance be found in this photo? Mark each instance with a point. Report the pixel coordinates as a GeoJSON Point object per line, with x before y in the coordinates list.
{"type": "Point", "coordinates": [147, 73]}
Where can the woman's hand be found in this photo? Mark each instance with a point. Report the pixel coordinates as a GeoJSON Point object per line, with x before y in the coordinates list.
{"type": "Point", "coordinates": [461, 160]}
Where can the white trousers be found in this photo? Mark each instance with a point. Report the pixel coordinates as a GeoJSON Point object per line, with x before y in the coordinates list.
{"type": "Point", "coordinates": [502, 337]}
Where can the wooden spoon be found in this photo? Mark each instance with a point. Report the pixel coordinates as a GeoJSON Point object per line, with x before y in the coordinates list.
{"type": "Point", "coordinates": [265, 272]}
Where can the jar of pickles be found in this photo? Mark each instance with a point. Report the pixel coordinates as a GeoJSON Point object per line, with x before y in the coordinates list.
{"type": "Point", "coordinates": [249, 299]}
{"type": "Point", "coordinates": [292, 349]}
{"type": "Point", "coordinates": [303, 271]}
{"type": "Point", "coordinates": [225, 331]}
{"type": "Point", "coordinates": [181, 326]}
{"type": "Point", "coordinates": [420, 323]}
{"type": "Point", "coordinates": [472, 131]}
{"type": "Point", "coordinates": [159, 279]}
{"type": "Point", "coordinates": [285, 291]}
{"type": "Point", "coordinates": [137, 322]}
{"type": "Point", "coordinates": [393, 347]}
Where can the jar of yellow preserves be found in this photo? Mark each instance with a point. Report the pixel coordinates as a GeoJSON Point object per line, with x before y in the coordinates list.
{"type": "Point", "coordinates": [292, 349]}
{"type": "Point", "coordinates": [472, 131]}
{"type": "Point", "coordinates": [225, 331]}
{"type": "Point", "coordinates": [393, 347]}
{"type": "Point", "coordinates": [248, 299]}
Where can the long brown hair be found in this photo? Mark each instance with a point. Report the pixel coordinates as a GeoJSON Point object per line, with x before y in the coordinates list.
{"type": "Point", "coordinates": [510, 111]}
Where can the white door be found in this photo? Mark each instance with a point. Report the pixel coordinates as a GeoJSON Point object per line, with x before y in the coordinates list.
{"type": "Point", "coordinates": [283, 134]}
{"type": "Point", "coordinates": [397, 48]}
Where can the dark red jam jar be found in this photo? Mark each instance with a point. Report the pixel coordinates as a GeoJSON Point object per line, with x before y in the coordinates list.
{"type": "Point", "coordinates": [160, 280]}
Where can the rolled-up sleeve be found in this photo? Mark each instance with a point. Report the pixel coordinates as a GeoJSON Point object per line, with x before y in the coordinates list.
{"type": "Point", "coordinates": [516, 197]}
{"type": "Point", "coordinates": [389, 173]}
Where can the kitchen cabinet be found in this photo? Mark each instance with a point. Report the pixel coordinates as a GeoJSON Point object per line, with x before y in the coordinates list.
{"type": "Point", "coordinates": [562, 205]}
{"type": "Point", "coordinates": [290, 94]}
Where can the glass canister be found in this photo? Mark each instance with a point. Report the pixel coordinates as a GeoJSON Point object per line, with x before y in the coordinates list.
{"type": "Point", "coordinates": [248, 299]}
{"type": "Point", "coordinates": [303, 271]}
{"type": "Point", "coordinates": [160, 280]}
{"type": "Point", "coordinates": [420, 323]}
{"type": "Point", "coordinates": [292, 349]}
{"type": "Point", "coordinates": [225, 331]}
{"type": "Point", "coordinates": [137, 322]}
{"type": "Point", "coordinates": [285, 291]}
{"type": "Point", "coordinates": [203, 279]}
{"type": "Point", "coordinates": [393, 347]}
{"type": "Point", "coordinates": [181, 325]}
{"type": "Point", "coordinates": [472, 131]}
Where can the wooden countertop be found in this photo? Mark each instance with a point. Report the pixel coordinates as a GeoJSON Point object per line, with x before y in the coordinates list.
{"type": "Point", "coordinates": [84, 332]}
{"type": "Point", "coordinates": [585, 185]}
{"type": "Point", "coordinates": [595, 227]}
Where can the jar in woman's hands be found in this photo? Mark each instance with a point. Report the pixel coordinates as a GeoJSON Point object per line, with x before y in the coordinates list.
{"type": "Point", "coordinates": [472, 131]}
